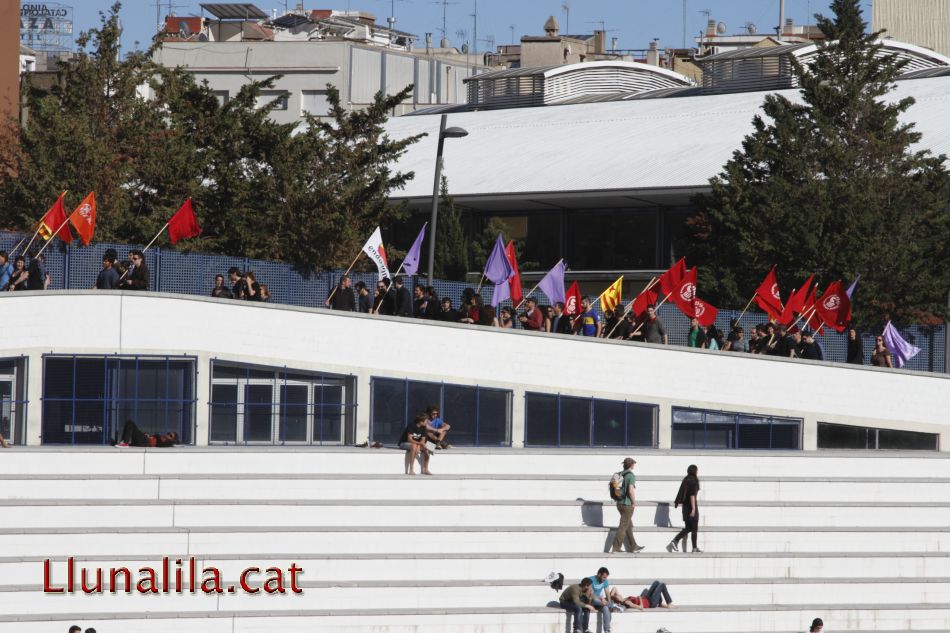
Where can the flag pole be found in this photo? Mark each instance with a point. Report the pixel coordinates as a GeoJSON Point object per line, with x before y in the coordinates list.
{"type": "Point", "coordinates": [746, 308]}
{"type": "Point", "coordinates": [18, 244]}
{"type": "Point", "coordinates": [149, 245]}
{"type": "Point", "coordinates": [528, 294]}
{"type": "Point", "coordinates": [392, 280]}
{"type": "Point", "coordinates": [480, 282]}
{"type": "Point", "coordinates": [649, 285]}
{"type": "Point", "coordinates": [353, 263]}
{"type": "Point", "coordinates": [657, 307]}
{"type": "Point", "coordinates": [37, 231]}
{"type": "Point", "coordinates": [55, 233]}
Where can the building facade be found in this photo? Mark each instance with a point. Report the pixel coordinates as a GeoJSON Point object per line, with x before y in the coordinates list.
{"type": "Point", "coordinates": [922, 22]}
{"type": "Point", "coordinates": [305, 376]}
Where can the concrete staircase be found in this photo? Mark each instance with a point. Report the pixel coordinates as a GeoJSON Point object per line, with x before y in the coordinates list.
{"type": "Point", "coordinates": [859, 540]}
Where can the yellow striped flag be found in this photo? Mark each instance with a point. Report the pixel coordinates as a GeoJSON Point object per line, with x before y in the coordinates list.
{"type": "Point", "coordinates": [610, 298]}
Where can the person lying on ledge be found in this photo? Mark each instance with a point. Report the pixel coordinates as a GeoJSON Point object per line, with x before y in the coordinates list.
{"type": "Point", "coordinates": [132, 435]}
{"type": "Point", "coordinates": [652, 597]}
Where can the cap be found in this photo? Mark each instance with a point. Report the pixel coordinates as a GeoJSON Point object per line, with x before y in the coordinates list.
{"type": "Point", "coordinates": [627, 463]}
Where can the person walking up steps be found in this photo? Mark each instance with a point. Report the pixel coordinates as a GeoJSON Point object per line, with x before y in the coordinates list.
{"type": "Point", "coordinates": [625, 506]}
{"type": "Point", "coordinates": [686, 496]}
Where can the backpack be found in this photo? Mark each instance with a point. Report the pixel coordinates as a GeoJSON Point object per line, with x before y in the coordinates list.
{"type": "Point", "coordinates": [617, 492]}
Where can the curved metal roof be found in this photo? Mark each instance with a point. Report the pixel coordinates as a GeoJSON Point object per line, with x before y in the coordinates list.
{"type": "Point", "coordinates": [616, 148]}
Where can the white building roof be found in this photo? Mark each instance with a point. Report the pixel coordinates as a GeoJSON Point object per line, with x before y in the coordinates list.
{"type": "Point", "coordinates": [625, 146]}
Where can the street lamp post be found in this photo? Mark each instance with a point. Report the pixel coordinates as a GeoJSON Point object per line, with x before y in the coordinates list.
{"type": "Point", "coordinates": [444, 133]}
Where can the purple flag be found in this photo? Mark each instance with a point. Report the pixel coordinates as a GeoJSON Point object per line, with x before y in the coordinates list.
{"type": "Point", "coordinates": [411, 263]}
{"type": "Point", "coordinates": [553, 284]}
{"type": "Point", "coordinates": [854, 284]}
{"type": "Point", "coordinates": [502, 291]}
{"type": "Point", "coordinates": [901, 350]}
{"type": "Point", "coordinates": [498, 269]}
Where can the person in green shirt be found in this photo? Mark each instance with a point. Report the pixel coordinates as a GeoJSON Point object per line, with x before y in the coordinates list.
{"type": "Point", "coordinates": [625, 507]}
{"type": "Point", "coordinates": [576, 599]}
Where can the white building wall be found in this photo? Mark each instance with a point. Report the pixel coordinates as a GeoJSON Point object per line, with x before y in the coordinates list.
{"type": "Point", "coordinates": [87, 322]}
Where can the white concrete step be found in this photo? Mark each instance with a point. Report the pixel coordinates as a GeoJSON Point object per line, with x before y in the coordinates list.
{"type": "Point", "coordinates": [472, 487]}
{"type": "Point", "coordinates": [477, 568]}
{"type": "Point", "coordinates": [361, 540]}
{"type": "Point", "coordinates": [858, 618]}
{"type": "Point", "coordinates": [345, 598]}
{"type": "Point", "coordinates": [385, 512]}
{"type": "Point", "coordinates": [498, 461]}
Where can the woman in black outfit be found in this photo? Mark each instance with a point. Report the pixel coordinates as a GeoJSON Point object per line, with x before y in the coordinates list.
{"type": "Point", "coordinates": [689, 490]}
{"type": "Point", "coordinates": [855, 348]}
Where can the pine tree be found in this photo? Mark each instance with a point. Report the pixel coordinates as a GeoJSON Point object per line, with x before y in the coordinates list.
{"type": "Point", "coordinates": [832, 185]}
{"type": "Point", "coordinates": [451, 246]}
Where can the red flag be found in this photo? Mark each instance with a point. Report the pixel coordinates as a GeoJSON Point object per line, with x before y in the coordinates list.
{"type": "Point", "coordinates": [183, 224]}
{"type": "Point", "coordinates": [795, 303]}
{"type": "Point", "coordinates": [644, 300]}
{"type": "Point", "coordinates": [808, 308]}
{"type": "Point", "coordinates": [572, 300]}
{"type": "Point", "coordinates": [834, 307]}
{"type": "Point", "coordinates": [684, 293]}
{"type": "Point", "coordinates": [767, 296]}
{"type": "Point", "coordinates": [705, 312]}
{"type": "Point", "coordinates": [671, 278]}
{"type": "Point", "coordinates": [83, 218]}
{"type": "Point", "coordinates": [514, 283]}
{"type": "Point", "coordinates": [55, 220]}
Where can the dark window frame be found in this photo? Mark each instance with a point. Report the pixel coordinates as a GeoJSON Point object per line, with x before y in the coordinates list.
{"type": "Point", "coordinates": [442, 385]}
{"type": "Point", "coordinates": [279, 379]}
{"type": "Point", "coordinates": [771, 420]}
{"type": "Point", "coordinates": [112, 366]}
{"type": "Point", "coordinates": [593, 421]}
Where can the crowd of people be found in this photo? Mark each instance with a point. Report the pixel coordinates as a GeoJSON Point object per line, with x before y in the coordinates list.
{"type": "Point", "coordinates": [769, 339]}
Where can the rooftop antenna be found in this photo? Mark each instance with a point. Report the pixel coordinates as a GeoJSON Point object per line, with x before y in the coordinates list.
{"type": "Point", "coordinates": [445, 4]}
{"type": "Point", "coordinates": [684, 23]}
{"type": "Point", "coordinates": [475, 28]}
{"type": "Point", "coordinates": [490, 41]}
{"type": "Point", "coordinates": [566, 8]}
{"type": "Point", "coordinates": [512, 27]}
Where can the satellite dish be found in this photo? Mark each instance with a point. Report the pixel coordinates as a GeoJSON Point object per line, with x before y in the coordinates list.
{"type": "Point", "coordinates": [183, 28]}
{"type": "Point", "coordinates": [751, 28]}
{"type": "Point", "coordinates": [721, 28]}
{"type": "Point", "coordinates": [465, 48]}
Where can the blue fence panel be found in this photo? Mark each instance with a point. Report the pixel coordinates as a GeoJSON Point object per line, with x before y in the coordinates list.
{"type": "Point", "coordinates": [76, 267]}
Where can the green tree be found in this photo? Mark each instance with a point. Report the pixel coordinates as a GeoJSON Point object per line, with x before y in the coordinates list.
{"type": "Point", "coordinates": [831, 185]}
{"type": "Point", "coordinates": [451, 247]}
{"type": "Point", "coordinates": [144, 137]}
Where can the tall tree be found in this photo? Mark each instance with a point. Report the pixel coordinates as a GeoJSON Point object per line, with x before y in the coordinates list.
{"type": "Point", "coordinates": [832, 185]}
{"type": "Point", "coordinates": [451, 246]}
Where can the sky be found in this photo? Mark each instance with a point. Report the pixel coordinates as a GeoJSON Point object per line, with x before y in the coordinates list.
{"type": "Point", "coordinates": [635, 23]}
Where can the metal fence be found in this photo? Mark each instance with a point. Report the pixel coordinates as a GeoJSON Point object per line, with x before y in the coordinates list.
{"type": "Point", "coordinates": [76, 267]}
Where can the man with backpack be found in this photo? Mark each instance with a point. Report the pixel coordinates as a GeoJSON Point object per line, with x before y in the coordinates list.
{"type": "Point", "coordinates": [623, 490]}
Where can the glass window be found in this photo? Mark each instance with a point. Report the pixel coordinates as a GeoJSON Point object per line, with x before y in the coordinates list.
{"type": "Point", "coordinates": [541, 419]}
{"type": "Point", "coordinates": [610, 423]}
{"type": "Point", "coordinates": [13, 403]}
{"type": "Point", "coordinates": [267, 96]}
{"type": "Point", "coordinates": [575, 421]}
{"type": "Point", "coordinates": [552, 420]}
{"type": "Point", "coordinates": [276, 405]}
{"type": "Point", "coordinates": [697, 428]}
{"type": "Point", "coordinates": [846, 436]}
{"type": "Point", "coordinates": [224, 413]}
{"type": "Point", "coordinates": [538, 236]}
{"type": "Point", "coordinates": [478, 417]}
{"type": "Point", "coordinates": [623, 239]}
{"type": "Point", "coordinates": [314, 102]}
{"type": "Point", "coordinates": [87, 399]}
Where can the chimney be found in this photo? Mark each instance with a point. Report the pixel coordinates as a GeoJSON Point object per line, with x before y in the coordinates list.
{"type": "Point", "coordinates": [428, 43]}
{"type": "Point", "coordinates": [710, 28]}
{"type": "Point", "coordinates": [600, 42]}
{"type": "Point", "coordinates": [653, 53]}
{"type": "Point", "coordinates": [789, 26]}
{"type": "Point", "coordinates": [613, 43]}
